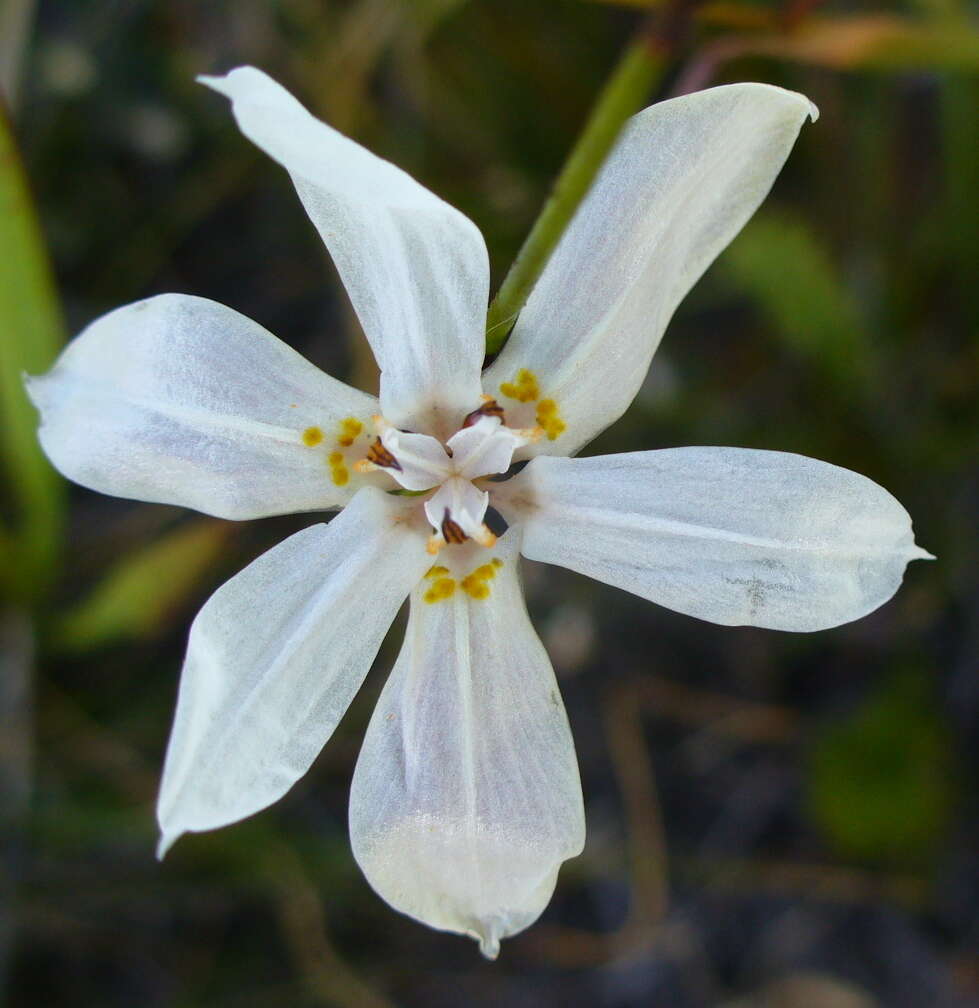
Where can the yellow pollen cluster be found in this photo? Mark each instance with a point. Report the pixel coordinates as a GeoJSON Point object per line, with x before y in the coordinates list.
{"type": "Point", "coordinates": [476, 584]}
{"type": "Point", "coordinates": [524, 388]}
{"type": "Point", "coordinates": [350, 428]}
{"type": "Point", "coordinates": [549, 419]}
{"type": "Point", "coordinates": [339, 472]}
{"type": "Point", "coordinates": [442, 587]}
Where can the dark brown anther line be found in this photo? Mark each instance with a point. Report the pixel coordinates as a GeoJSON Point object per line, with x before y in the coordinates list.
{"type": "Point", "coordinates": [380, 456]}
{"type": "Point", "coordinates": [451, 532]}
{"type": "Point", "coordinates": [490, 408]}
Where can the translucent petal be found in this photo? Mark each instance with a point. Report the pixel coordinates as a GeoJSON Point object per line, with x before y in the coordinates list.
{"type": "Point", "coordinates": [415, 268]}
{"type": "Point", "coordinates": [180, 400]}
{"type": "Point", "coordinates": [275, 657]}
{"type": "Point", "coordinates": [729, 535]}
{"type": "Point", "coordinates": [466, 797]}
{"type": "Point", "coordinates": [422, 461]}
{"type": "Point", "coordinates": [459, 501]}
{"type": "Point", "coordinates": [484, 449]}
{"type": "Point", "coordinates": [683, 179]}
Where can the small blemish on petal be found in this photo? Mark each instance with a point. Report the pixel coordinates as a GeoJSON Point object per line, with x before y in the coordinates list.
{"type": "Point", "coordinates": [312, 436]}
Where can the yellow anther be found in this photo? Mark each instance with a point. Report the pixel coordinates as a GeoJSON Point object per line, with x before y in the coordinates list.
{"type": "Point", "coordinates": [312, 436]}
{"type": "Point", "coordinates": [350, 429]}
{"type": "Point", "coordinates": [335, 459]}
{"type": "Point", "coordinates": [476, 583]}
{"type": "Point", "coordinates": [531, 434]}
{"type": "Point", "coordinates": [442, 589]}
{"type": "Point", "coordinates": [523, 388]}
{"type": "Point", "coordinates": [437, 571]}
{"type": "Point", "coordinates": [485, 537]}
{"type": "Point", "coordinates": [549, 419]}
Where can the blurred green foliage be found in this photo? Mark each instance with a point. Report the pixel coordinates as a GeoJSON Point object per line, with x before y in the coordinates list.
{"type": "Point", "coordinates": [881, 780]}
{"type": "Point", "coordinates": [779, 262]}
{"type": "Point", "coordinates": [30, 337]}
{"type": "Point", "coordinates": [135, 596]}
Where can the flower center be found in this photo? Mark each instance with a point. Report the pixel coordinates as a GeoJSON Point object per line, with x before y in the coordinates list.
{"type": "Point", "coordinates": [483, 446]}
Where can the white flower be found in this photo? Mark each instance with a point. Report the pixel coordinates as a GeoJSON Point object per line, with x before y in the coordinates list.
{"type": "Point", "coordinates": [466, 797]}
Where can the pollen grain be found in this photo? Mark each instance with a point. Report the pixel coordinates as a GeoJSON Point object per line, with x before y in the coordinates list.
{"type": "Point", "coordinates": [477, 583]}
{"type": "Point", "coordinates": [350, 429]}
{"type": "Point", "coordinates": [443, 588]}
{"type": "Point", "coordinates": [549, 419]}
{"type": "Point", "coordinates": [339, 472]}
{"type": "Point", "coordinates": [524, 388]}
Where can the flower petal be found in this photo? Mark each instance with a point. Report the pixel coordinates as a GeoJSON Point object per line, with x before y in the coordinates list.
{"type": "Point", "coordinates": [421, 461]}
{"type": "Point", "coordinates": [415, 268]}
{"type": "Point", "coordinates": [180, 400]}
{"type": "Point", "coordinates": [466, 797]}
{"type": "Point", "coordinates": [729, 535]}
{"type": "Point", "coordinates": [484, 448]}
{"type": "Point", "coordinates": [683, 179]}
{"type": "Point", "coordinates": [457, 500]}
{"type": "Point", "coordinates": [275, 657]}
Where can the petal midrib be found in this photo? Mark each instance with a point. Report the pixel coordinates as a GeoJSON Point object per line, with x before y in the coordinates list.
{"type": "Point", "coordinates": [651, 523]}
{"type": "Point", "coordinates": [201, 417]}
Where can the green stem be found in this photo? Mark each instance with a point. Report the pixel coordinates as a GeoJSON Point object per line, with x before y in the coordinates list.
{"type": "Point", "coordinates": [640, 68]}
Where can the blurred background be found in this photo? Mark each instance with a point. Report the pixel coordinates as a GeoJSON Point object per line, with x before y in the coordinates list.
{"type": "Point", "coordinates": [774, 820]}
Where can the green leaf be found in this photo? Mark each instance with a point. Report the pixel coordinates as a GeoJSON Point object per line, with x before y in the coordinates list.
{"type": "Point", "coordinates": [137, 595]}
{"type": "Point", "coordinates": [880, 784]}
{"type": "Point", "coordinates": [779, 262]}
{"type": "Point", "coordinates": [30, 335]}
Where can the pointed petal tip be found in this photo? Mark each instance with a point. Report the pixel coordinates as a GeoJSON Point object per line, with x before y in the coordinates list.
{"type": "Point", "coordinates": [811, 110]}
{"type": "Point", "coordinates": [166, 841]}
{"type": "Point", "coordinates": [223, 83]}
{"type": "Point", "coordinates": [32, 386]}
{"type": "Point", "coordinates": [489, 946]}
{"type": "Point", "coordinates": [213, 81]}
{"type": "Point", "coordinates": [917, 553]}
{"type": "Point", "coordinates": [785, 94]}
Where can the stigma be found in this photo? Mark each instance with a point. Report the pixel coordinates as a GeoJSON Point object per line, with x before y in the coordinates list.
{"type": "Point", "coordinates": [456, 510]}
